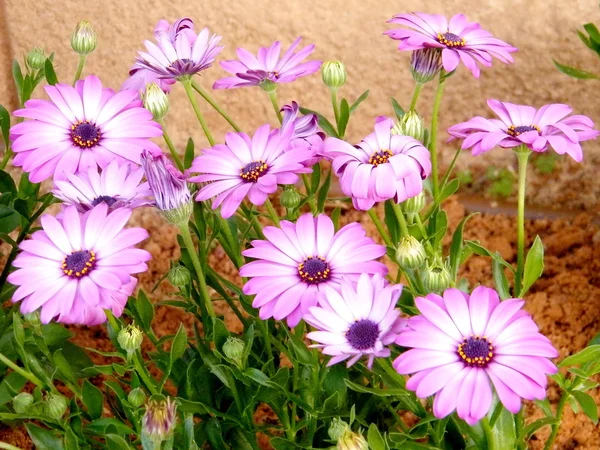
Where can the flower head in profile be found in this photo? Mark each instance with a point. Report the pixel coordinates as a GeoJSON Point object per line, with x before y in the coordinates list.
{"type": "Point", "coordinates": [358, 319]}
{"type": "Point", "coordinates": [118, 185]}
{"type": "Point", "coordinates": [246, 166]}
{"type": "Point", "coordinates": [79, 265]}
{"type": "Point", "coordinates": [267, 69]}
{"type": "Point", "coordinates": [179, 51]}
{"type": "Point", "coordinates": [159, 419]}
{"type": "Point", "coordinates": [299, 260]}
{"type": "Point", "coordinates": [305, 131]}
{"type": "Point", "coordinates": [461, 346]}
{"type": "Point", "coordinates": [458, 40]}
{"type": "Point", "coordinates": [382, 166]}
{"type": "Point", "coordinates": [81, 127]}
{"type": "Point", "coordinates": [538, 129]}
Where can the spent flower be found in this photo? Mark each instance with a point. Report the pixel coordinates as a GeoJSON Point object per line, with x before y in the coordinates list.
{"type": "Point", "coordinates": [159, 419]}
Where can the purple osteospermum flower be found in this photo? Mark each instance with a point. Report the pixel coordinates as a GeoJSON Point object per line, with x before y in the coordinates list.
{"type": "Point", "coordinates": [381, 167]}
{"type": "Point", "coordinates": [180, 51]}
{"type": "Point", "coordinates": [463, 345]}
{"type": "Point", "coordinates": [80, 128]}
{"type": "Point", "coordinates": [305, 131]}
{"type": "Point", "coordinates": [118, 185]}
{"type": "Point", "coordinates": [252, 167]}
{"type": "Point", "coordinates": [168, 184]}
{"type": "Point", "coordinates": [457, 39]}
{"type": "Point", "coordinates": [140, 78]}
{"type": "Point", "coordinates": [538, 129]}
{"type": "Point", "coordinates": [77, 266]}
{"type": "Point", "coordinates": [267, 66]}
{"type": "Point", "coordinates": [298, 260]}
{"type": "Point", "coordinates": [360, 320]}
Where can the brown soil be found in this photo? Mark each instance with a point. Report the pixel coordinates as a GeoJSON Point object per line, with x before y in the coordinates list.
{"type": "Point", "coordinates": [565, 302]}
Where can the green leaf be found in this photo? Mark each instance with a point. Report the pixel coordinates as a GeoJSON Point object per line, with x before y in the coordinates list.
{"type": "Point", "coordinates": [5, 127]}
{"type": "Point", "coordinates": [42, 438]}
{"type": "Point", "coordinates": [323, 191]}
{"type": "Point", "coordinates": [375, 439]}
{"type": "Point", "coordinates": [71, 441]}
{"type": "Point", "coordinates": [9, 219]}
{"type": "Point", "coordinates": [10, 386]}
{"type": "Point", "coordinates": [49, 73]}
{"type": "Point", "coordinates": [358, 101]}
{"type": "Point", "coordinates": [188, 157]}
{"type": "Point", "coordinates": [449, 188]}
{"type": "Point", "coordinates": [456, 246]}
{"type": "Point", "coordinates": [344, 117]}
{"type": "Point", "coordinates": [391, 222]}
{"type": "Point", "coordinates": [18, 77]}
{"type": "Point", "coordinates": [530, 429]}
{"type": "Point", "coordinates": [145, 310]}
{"type": "Point", "coordinates": [99, 426]}
{"type": "Point", "coordinates": [18, 331]}
{"type": "Point", "coordinates": [500, 279]}
{"type": "Point", "coordinates": [63, 366]}
{"type": "Point", "coordinates": [214, 434]}
{"type": "Point", "coordinates": [315, 179]}
{"type": "Point", "coordinates": [534, 265]}
{"type": "Point", "coordinates": [591, 353]}
{"type": "Point", "coordinates": [279, 443]}
{"type": "Point", "coordinates": [588, 405]}
{"type": "Point", "coordinates": [398, 109]}
{"type": "Point", "coordinates": [325, 124]}
{"type": "Point", "coordinates": [92, 399]}
{"type": "Point", "coordinates": [573, 72]}
{"type": "Point", "coordinates": [592, 30]}
{"type": "Point", "coordinates": [375, 391]}
{"type": "Point", "coordinates": [116, 442]}
{"type": "Point", "coordinates": [504, 432]}
{"type": "Point", "coordinates": [179, 344]}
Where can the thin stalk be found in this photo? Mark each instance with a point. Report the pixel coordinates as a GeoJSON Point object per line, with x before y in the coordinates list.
{"type": "Point", "coordinates": [382, 232]}
{"type": "Point", "coordinates": [169, 143]}
{"type": "Point", "coordinates": [80, 65]}
{"type": "Point", "coordinates": [452, 164]}
{"type": "Point", "coordinates": [307, 186]}
{"type": "Point", "coordinates": [434, 132]}
{"type": "Point", "coordinates": [275, 103]}
{"type": "Point", "coordinates": [264, 326]}
{"type": "Point", "coordinates": [141, 370]}
{"type": "Point", "coordinates": [401, 218]}
{"type": "Point", "coordinates": [415, 97]}
{"type": "Point", "coordinates": [7, 154]}
{"type": "Point", "coordinates": [187, 239]}
{"type": "Point", "coordinates": [560, 409]}
{"type": "Point", "coordinates": [272, 212]}
{"type": "Point", "coordinates": [187, 84]}
{"type": "Point", "coordinates": [211, 101]}
{"type": "Point", "coordinates": [31, 377]}
{"type": "Point", "coordinates": [336, 107]}
{"type": "Point", "coordinates": [523, 157]}
{"type": "Point", "coordinates": [489, 436]}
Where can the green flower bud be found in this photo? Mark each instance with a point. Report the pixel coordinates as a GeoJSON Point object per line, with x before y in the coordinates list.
{"type": "Point", "coordinates": [33, 319]}
{"type": "Point", "coordinates": [159, 420]}
{"type": "Point", "coordinates": [411, 125]}
{"type": "Point", "coordinates": [414, 205]}
{"type": "Point", "coordinates": [179, 276]}
{"type": "Point", "coordinates": [22, 402]}
{"type": "Point", "coordinates": [436, 278]}
{"type": "Point", "coordinates": [410, 253]}
{"type": "Point", "coordinates": [55, 406]}
{"type": "Point", "coordinates": [290, 198]}
{"type": "Point", "coordinates": [136, 397]}
{"type": "Point", "coordinates": [234, 348]}
{"type": "Point", "coordinates": [83, 39]}
{"type": "Point", "coordinates": [130, 339]}
{"type": "Point", "coordinates": [156, 101]}
{"type": "Point", "coordinates": [268, 85]}
{"type": "Point", "coordinates": [333, 74]}
{"type": "Point", "coordinates": [352, 441]}
{"type": "Point", "coordinates": [337, 429]}
{"type": "Point", "coordinates": [425, 64]}
{"type": "Point", "coordinates": [36, 58]}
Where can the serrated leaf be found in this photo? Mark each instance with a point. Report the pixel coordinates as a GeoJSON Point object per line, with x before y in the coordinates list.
{"type": "Point", "coordinates": [534, 265]}
{"type": "Point", "coordinates": [92, 399]}
{"type": "Point", "coordinates": [49, 73]}
{"type": "Point", "coordinates": [358, 101]}
{"type": "Point", "coordinates": [588, 405]}
{"type": "Point", "coordinates": [573, 72]}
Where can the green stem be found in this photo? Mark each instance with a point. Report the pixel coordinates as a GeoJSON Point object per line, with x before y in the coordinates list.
{"type": "Point", "coordinates": [206, 96]}
{"type": "Point", "coordinates": [415, 97]}
{"type": "Point", "coordinates": [311, 200]}
{"type": "Point", "coordinates": [489, 436]}
{"type": "Point", "coordinates": [434, 132]}
{"type": "Point", "coordinates": [452, 164]}
{"type": "Point", "coordinates": [560, 409]}
{"type": "Point", "coordinates": [264, 326]}
{"type": "Point", "coordinates": [141, 370]}
{"type": "Point", "coordinates": [382, 232]}
{"type": "Point", "coordinates": [523, 156]}
{"type": "Point", "coordinates": [187, 239]}
{"type": "Point", "coordinates": [169, 143]}
{"type": "Point", "coordinates": [275, 103]}
{"type": "Point", "coordinates": [401, 218]}
{"type": "Point", "coordinates": [79, 68]}
{"type": "Point", "coordinates": [7, 154]}
{"type": "Point", "coordinates": [31, 377]}
{"type": "Point", "coordinates": [187, 84]}
{"type": "Point", "coordinates": [252, 221]}
{"type": "Point", "coordinates": [272, 212]}
{"type": "Point", "coordinates": [336, 107]}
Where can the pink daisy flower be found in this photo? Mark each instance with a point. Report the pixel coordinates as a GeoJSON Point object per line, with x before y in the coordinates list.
{"type": "Point", "coordinates": [461, 346]}
{"type": "Point", "coordinates": [118, 185]}
{"type": "Point", "coordinates": [248, 167]}
{"type": "Point", "coordinates": [382, 166]}
{"type": "Point", "coordinates": [305, 131]}
{"type": "Point", "coordinates": [298, 260]}
{"type": "Point", "coordinates": [360, 320]}
{"type": "Point", "coordinates": [267, 67]}
{"type": "Point", "coordinates": [180, 50]}
{"type": "Point", "coordinates": [80, 128]}
{"type": "Point", "coordinates": [538, 129]}
{"type": "Point", "coordinates": [79, 265]}
{"type": "Point", "coordinates": [457, 39]}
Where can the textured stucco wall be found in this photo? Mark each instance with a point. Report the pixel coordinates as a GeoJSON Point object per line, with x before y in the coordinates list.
{"type": "Point", "coordinates": [349, 30]}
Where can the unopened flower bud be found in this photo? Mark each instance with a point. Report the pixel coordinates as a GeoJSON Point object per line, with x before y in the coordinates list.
{"type": "Point", "coordinates": [290, 198]}
{"type": "Point", "coordinates": [337, 429]}
{"type": "Point", "coordinates": [425, 64]}
{"type": "Point", "coordinates": [179, 276]}
{"type": "Point", "coordinates": [159, 420]}
{"type": "Point", "coordinates": [55, 406]}
{"type": "Point", "coordinates": [36, 58]}
{"type": "Point", "coordinates": [333, 74]}
{"type": "Point", "coordinates": [234, 348]}
{"type": "Point", "coordinates": [436, 278]}
{"type": "Point", "coordinates": [412, 125]}
{"type": "Point", "coordinates": [414, 205]}
{"type": "Point", "coordinates": [352, 441]}
{"type": "Point", "coordinates": [83, 39]}
{"type": "Point", "coordinates": [22, 402]}
{"type": "Point", "coordinates": [130, 339]}
{"type": "Point", "coordinates": [33, 319]}
{"type": "Point", "coordinates": [136, 397]}
{"type": "Point", "coordinates": [410, 253]}
{"type": "Point", "coordinates": [156, 101]}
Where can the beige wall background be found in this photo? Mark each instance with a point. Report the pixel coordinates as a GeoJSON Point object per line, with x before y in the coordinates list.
{"type": "Point", "coordinates": [349, 30]}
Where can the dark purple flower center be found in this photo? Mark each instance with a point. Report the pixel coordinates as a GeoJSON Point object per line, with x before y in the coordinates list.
{"type": "Point", "coordinates": [380, 157]}
{"type": "Point", "coordinates": [515, 131]}
{"type": "Point", "coordinates": [253, 171]}
{"type": "Point", "coordinates": [79, 264]}
{"type": "Point", "coordinates": [85, 134]}
{"type": "Point", "coordinates": [314, 270]}
{"type": "Point", "coordinates": [106, 199]}
{"type": "Point", "coordinates": [476, 351]}
{"type": "Point", "coordinates": [450, 40]}
{"type": "Point", "coordinates": [363, 334]}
